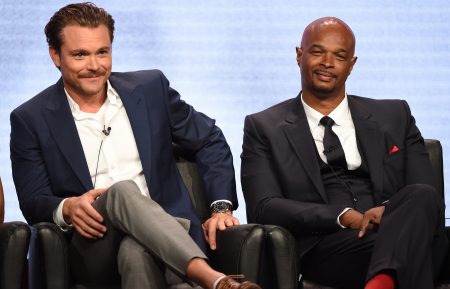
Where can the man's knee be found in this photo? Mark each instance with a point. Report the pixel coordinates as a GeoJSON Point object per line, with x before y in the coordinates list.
{"type": "Point", "coordinates": [116, 198]}
{"type": "Point", "coordinates": [121, 192]}
{"type": "Point", "coordinates": [123, 187]}
{"type": "Point", "coordinates": [423, 195]}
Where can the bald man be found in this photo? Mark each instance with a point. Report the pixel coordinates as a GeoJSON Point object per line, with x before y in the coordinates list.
{"type": "Point", "coordinates": [348, 176]}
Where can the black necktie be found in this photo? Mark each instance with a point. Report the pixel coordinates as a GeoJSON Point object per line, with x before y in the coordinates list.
{"type": "Point", "coordinates": [332, 146]}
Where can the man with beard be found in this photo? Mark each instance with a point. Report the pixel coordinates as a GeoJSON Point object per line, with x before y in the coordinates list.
{"type": "Point", "coordinates": [94, 152]}
{"type": "Point", "coordinates": [348, 176]}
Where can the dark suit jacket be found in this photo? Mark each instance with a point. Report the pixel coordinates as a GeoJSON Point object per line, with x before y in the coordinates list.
{"type": "Point", "coordinates": [280, 172]}
{"type": "Point", "coordinates": [48, 162]}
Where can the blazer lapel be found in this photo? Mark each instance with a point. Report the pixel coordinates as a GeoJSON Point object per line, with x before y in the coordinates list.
{"type": "Point", "coordinates": [136, 109]}
{"type": "Point", "coordinates": [299, 136]}
{"type": "Point", "coordinates": [63, 129]}
{"type": "Point", "coordinates": [372, 143]}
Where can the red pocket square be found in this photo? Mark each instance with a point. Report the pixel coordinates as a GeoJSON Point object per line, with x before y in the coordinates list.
{"type": "Point", "coordinates": [393, 150]}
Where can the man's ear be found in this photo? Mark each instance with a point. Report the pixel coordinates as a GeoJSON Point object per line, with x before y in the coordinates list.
{"type": "Point", "coordinates": [55, 56]}
{"type": "Point", "coordinates": [353, 61]}
{"type": "Point", "coordinates": [299, 52]}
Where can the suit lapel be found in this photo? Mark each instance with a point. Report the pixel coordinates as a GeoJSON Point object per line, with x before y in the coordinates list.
{"type": "Point", "coordinates": [137, 113]}
{"type": "Point", "coordinates": [372, 143]}
{"type": "Point", "coordinates": [63, 129]}
{"type": "Point", "coordinates": [299, 136]}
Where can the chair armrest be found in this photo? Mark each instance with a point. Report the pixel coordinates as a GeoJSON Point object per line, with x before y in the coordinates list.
{"type": "Point", "coordinates": [49, 258]}
{"type": "Point", "coordinates": [14, 239]}
{"type": "Point", "coordinates": [283, 253]}
{"type": "Point", "coordinates": [239, 251]}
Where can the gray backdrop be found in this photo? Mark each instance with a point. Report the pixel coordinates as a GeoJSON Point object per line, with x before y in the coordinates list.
{"type": "Point", "coordinates": [231, 58]}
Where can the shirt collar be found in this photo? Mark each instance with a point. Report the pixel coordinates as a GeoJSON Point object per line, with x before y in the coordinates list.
{"type": "Point", "coordinates": [111, 96]}
{"type": "Point", "coordinates": [340, 114]}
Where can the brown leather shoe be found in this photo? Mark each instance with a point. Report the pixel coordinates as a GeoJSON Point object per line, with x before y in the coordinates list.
{"type": "Point", "coordinates": [229, 283]}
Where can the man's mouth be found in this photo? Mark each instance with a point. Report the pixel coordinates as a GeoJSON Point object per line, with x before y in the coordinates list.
{"type": "Point", "coordinates": [324, 75]}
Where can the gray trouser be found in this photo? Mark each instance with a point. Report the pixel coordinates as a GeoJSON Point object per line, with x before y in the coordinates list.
{"type": "Point", "coordinates": [142, 240]}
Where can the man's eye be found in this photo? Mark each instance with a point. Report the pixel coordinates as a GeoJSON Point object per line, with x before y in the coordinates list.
{"type": "Point", "coordinates": [341, 57]}
{"type": "Point", "coordinates": [78, 54]}
{"type": "Point", "coordinates": [316, 52]}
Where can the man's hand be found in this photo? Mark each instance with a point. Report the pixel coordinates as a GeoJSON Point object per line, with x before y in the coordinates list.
{"type": "Point", "coordinates": [79, 212]}
{"type": "Point", "coordinates": [351, 219]}
{"type": "Point", "coordinates": [217, 221]}
{"type": "Point", "coordinates": [371, 220]}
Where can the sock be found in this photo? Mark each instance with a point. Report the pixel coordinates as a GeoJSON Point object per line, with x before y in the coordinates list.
{"type": "Point", "coordinates": [381, 281]}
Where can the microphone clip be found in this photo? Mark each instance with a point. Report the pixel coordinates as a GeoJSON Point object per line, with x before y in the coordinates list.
{"type": "Point", "coordinates": [106, 131]}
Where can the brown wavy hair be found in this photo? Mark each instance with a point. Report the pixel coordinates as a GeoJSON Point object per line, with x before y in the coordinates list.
{"type": "Point", "coordinates": [85, 14]}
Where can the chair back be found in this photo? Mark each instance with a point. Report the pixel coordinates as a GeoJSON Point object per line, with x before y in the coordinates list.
{"type": "Point", "coordinates": [191, 178]}
{"type": "Point", "coordinates": [434, 149]}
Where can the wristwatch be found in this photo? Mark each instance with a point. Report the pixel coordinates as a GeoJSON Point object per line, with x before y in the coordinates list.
{"type": "Point", "coordinates": [221, 207]}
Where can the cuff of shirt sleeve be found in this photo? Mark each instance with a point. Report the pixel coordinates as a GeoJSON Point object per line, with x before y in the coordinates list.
{"type": "Point", "coordinates": [343, 212]}
{"type": "Point", "coordinates": [58, 217]}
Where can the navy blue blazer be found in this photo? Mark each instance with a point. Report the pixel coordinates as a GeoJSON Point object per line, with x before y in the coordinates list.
{"type": "Point", "coordinates": [280, 174]}
{"type": "Point", "coordinates": [48, 162]}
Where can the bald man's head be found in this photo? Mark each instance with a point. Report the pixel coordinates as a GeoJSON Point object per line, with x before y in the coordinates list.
{"type": "Point", "coordinates": [326, 58]}
{"type": "Point", "coordinates": [322, 24]}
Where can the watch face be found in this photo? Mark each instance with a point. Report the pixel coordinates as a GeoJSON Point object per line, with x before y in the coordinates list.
{"type": "Point", "coordinates": [221, 207]}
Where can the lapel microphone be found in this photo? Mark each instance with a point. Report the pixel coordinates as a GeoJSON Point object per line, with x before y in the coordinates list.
{"type": "Point", "coordinates": [106, 131]}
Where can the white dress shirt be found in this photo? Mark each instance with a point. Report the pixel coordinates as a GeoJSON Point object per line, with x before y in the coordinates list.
{"type": "Point", "coordinates": [110, 158]}
{"type": "Point", "coordinates": [343, 127]}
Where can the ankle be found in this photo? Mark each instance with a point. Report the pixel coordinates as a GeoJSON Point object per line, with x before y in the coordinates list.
{"type": "Point", "coordinates": [201, 273]}
{"type": "Point", "coordinates": [229, 282]}
{"type": "Point", "coordinates": [217, 281]}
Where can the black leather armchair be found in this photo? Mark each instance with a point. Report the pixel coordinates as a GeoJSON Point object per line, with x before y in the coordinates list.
{"type": "Point", "coordinates": [286, 267]}
{"type": "Point", "coordinates": [239, 248]}
{"type": "Point", "coordinates": [14, 239]}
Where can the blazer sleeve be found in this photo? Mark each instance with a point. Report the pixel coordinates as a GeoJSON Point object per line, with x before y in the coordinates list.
{"type": "Point", "coordinates": [30, 174]}
{"type": "Point", "coordinates": [197, 133]}
{"type": "Point", "coordinates": [418, 169]}
{"type": "Point", "coordinates": [264, 196]}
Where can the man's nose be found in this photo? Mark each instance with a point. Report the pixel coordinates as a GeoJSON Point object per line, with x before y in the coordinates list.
{"type": "Point", "coordinates": [92, 63]}
{"type": "Point", "coordinates": [328, 60]}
